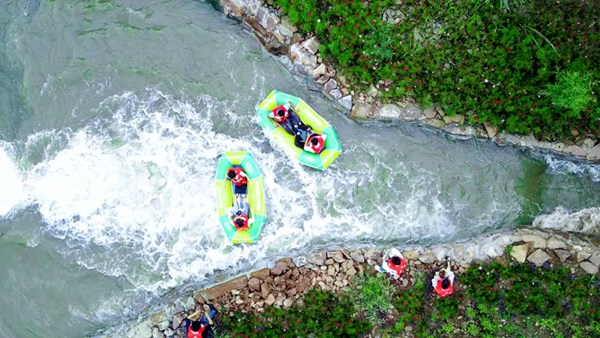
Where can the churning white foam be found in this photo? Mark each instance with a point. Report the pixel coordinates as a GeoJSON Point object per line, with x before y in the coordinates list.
{"type": "Point", "coordinates": [585, 221]}
{"type": "Point", "coordinates": [12, 194]}
{"type": "Point", "coordinates": [563, 166]}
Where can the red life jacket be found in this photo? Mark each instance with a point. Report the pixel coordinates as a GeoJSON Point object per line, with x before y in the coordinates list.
{"type": "Point", "coordinates": [398, 268]}
{"type": "Point", "coordinates": [443, 292]}
{"type": "Point", "coordinates": [245, 218]}
{"type": "Point", "coordinates": [276, 117]}
{"type": "Point", "coordinates": [239, 179]}
{"type": "Point", "coordinates": [195, 334]}
{"type": "Point", "coordinates": [318, 148]}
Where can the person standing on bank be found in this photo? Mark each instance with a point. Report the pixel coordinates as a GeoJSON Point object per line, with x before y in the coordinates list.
{"type": "Point", "coordinates": [393, 263]}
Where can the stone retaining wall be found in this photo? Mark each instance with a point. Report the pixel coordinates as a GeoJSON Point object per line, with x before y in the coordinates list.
{"type": "Point", "coordinates": [302, 57]}
{"type": "Point", "coordinates": [289, 279]}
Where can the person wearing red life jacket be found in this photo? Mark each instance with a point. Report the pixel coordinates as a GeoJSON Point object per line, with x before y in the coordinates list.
{"type": "Point", "coordinates": [285, 115]}
{"type": "Point", "coordinates": [238, 178]}
{"type": "Point", "coordinates": [241, 220]}
{"type": "Point", "coordinates": [200, 328]}
{"type": "Point", "coordinates": [393, 263]}
{"type": "Point", "coordinates": [315, 143]}
{"type": "Point", "coordinates": [280, 113]}
{"type": "Point", "coordinates": [443, 282]}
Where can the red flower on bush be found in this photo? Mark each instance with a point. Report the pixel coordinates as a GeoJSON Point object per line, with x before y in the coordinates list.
{"type": "Point", "coordinates": [439, 314]}
{"type": "Point", "coordinates": [343, 42]}
{"type": "Point", "coordinates": [404, 303]}
{"type": "Point", "coordinates": [355, 26]}
{"type": "Point", "coordinates": [310, 14]}
{"type": "Point", "coordinates": [476, 118]}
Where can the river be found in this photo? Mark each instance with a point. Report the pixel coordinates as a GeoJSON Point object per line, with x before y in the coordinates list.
{"type": "Point", "coordinates": [112, 118]}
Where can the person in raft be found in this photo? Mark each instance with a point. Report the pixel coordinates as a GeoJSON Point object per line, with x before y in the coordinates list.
{"type": "Point", "coordinates": [239, 214]}
{"type": "Point", "coordinates": [286, 116]}
{"type": "Point", "coordinates": [443, 281]}
{"type": "Point", "coordinates": [200, 328]}
{"type": "Point", "coordinates": [238, 177]}
{"type": "Point", "coordinates": [315, 143]}
{"type": "Point", "coordinates": [393, 263]}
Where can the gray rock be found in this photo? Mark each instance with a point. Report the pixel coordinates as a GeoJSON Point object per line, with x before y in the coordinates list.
{"type": "Point", "coordinates": [589, 267]}
{"type": "Point", "coordinates": [562, 254]}
{"type": "Point", "coordinates": [576, 150]}
{"type": "Point", "coordinates": [362, 111]}
{"type": "Point", "coordinates": [458, 119]}
{"type": "Point", "coordinates": [492, 131]}
{"type": "Point", "coordinates": [254, 284]}
{"type": "Point", "coordinates": [389, 111]}
{"type": "Point", "coordinates": [330, 85]}
{"type": "Point", "coordinates": [436, 123]}
{"type": "Point", "coordinates": [285, 31]}
{"type": "Point", "coordinates": [537, 241]}
{"type": "Point", "coordinates": [336, 94]}
{"type": "Point", "coordinates": [177, 319]}
{"type": "Point", "coordinates": [312, 45]}
{"type": "Point", "coordinates": [538, 257]}
{"type": "Point", "coordinates": [336, 255]}
{"type": "Point", "coordinates": [318, 258]}
{"type": "Point", "coordinates": [429, 113]}
{"type": "Point", "coordinates": [594, 153]}
{"type": "Point", "coordinates": [595, 259]}
{"type": "Point", "coordinates": [141, 330]}
{"type": "Point", "coordinates": [554, 243]}
{"type": "Point", "coordinates": [583, 255]}
{"type": "Point", "coordinates": [300, 55]}
{"type": "Point", "coordinates": [270, 299]}
{"type": "Point", "coordinates": [427, 259]}
{"type": "Point", "coordinates": [323, 79]}
{"type": "Point", "coordinates": [346, 102]}
{"type": "Point", "coordinates": [519, 252]}
{"type": "Point", "coordinates": [319, 71]}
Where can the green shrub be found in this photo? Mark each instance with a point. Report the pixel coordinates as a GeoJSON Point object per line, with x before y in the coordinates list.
{"type": "Point", "coordinates": [323, 314]}
{"type": "Point", "coordinates": [372, 296]}
{"type": "Point", "coordinates": [573, 91]}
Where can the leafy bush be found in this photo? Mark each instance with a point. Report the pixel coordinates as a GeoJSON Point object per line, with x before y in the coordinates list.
{"type": "Point", "coordinates": [372, 296]}
{"type": "Point", "coordinates": [572, 91]}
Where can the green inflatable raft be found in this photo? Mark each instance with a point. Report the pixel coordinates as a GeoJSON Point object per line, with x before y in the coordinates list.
{"type": "Point", "coordinates": [309, 116]}
{"type": "Point", "coordinates": [256, 196]}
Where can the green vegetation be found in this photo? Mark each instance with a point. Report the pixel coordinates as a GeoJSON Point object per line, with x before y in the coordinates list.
{"type": "Point", "coordinates": [526, 66]}
{"type": "Point", "coordinates": [323, 315]}
{"type": "Point", "coordinates": [492, 300]}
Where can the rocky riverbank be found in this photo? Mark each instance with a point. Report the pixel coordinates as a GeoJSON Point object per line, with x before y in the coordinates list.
{"type": "Point", "coordinates": [289, 279]}
{"type": "Point", "coordinates": [301, 56]}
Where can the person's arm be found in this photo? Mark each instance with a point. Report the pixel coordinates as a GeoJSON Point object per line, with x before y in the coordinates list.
{"type": "Point", "coordinates": [250, 220]}
{"type": "Point", "coordinates": [387, 269]}
{"type": "Point", "coordinates": [450, 276]}
{"type": "Point", "coordinates": [435, 279]}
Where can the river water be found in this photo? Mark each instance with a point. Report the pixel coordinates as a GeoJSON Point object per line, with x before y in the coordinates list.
{"type": "Point", "coordinates": [112, 117]}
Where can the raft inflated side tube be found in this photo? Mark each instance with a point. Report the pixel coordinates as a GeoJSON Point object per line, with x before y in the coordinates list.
{"type": "Point", "coordinates": [321, 161]}
{"type": "Point", "coordinates": [256, 196]}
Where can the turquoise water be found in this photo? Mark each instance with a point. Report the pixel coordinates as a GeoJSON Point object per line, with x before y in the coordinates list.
{"type": "Point", "coordinates": [112, 117]}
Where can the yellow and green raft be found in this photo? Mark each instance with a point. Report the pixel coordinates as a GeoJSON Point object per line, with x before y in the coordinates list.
{"type": "Point", "coordinates": [256, 196]}
{"type": "Point", "coordinates": [310, 117]}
